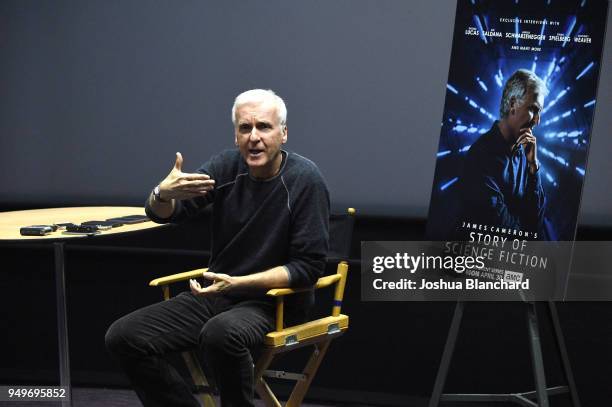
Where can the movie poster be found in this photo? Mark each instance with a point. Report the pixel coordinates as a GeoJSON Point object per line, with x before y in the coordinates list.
{"type": "Point", "coordinates": [516, 127]}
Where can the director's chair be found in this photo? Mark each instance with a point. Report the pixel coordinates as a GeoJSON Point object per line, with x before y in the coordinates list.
{"type": "Point", "coordinates": [317, 333]}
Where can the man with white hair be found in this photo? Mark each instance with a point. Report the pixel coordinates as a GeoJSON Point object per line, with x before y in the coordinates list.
{"type": "Point", "coordinates": [501, 183]}
{"type": "Point", "coordinates": [269, 230]}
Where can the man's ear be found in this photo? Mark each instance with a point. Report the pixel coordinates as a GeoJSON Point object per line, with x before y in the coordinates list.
{"type": "Point", "coordinates": [285, 131]}
{"type": "Point", "coordinates": [512, 105]}
{"type": "Point", "coordinates": [236, 141]}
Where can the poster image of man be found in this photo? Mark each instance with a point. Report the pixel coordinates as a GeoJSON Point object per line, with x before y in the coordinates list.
{"type": "Point", "coordinates": [501, 182]}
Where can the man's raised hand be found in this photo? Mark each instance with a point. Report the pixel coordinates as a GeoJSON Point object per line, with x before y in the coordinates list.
{"type": "Point", "coordinates": [182, 185]}
{"type": "Point", "coordinates": [529, 143]}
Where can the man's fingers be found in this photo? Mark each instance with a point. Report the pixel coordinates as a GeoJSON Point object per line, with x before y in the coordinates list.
{"type": "Point", "coordinates": [525, 138]}
{"type": "Point", "coordinates": [209, 275]}
{"type": "Point", "coordinates": [219, 283]}
{"type": "Point", "coordinates": [178, 164]}
{"type": "Point", "coordinates": [195, 286]}
{"type": "Point", "coordinates": [522, 136]}
{"type": "Point", "coordinates": [196, 177]}
{"type": "Point", "coordinates": [209, 183]}
{"type": "Point", "coordinates": [194, 192]}
{"type": "Point", "coordinates": [197, 289]}
{"type": "Point", "coordinates": [221, 280]}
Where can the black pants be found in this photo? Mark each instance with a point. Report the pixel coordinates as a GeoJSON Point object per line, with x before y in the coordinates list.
{"type": "Point", "coordinates": [223, 329]}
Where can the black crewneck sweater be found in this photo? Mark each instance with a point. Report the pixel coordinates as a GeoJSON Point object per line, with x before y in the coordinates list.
{"type": "Point", "coordinates": [261, 224]}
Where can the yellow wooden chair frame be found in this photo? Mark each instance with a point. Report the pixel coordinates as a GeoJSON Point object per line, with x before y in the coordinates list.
{"type": "Point", "coordinates": [319, 333]}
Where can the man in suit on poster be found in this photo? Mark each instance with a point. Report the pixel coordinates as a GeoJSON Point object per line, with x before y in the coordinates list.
{"type": "Point", "coordinates": [501, 183]}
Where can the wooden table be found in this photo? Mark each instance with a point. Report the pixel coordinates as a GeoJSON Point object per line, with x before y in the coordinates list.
{"type": "Point", "coordinates": [11, 222]}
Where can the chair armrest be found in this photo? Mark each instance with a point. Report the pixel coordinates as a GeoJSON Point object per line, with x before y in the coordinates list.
{"type": "Point", "coordinates": [321, 283]}
{"type": "Point", "coordinates": [175, 278]}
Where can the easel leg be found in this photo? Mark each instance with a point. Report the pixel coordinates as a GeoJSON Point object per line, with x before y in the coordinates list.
{"type": "Point", "coordinates": [447, 355]}
{"type": "Point", "coordinates": [567, 368]}
{"type": "Point", "coordinates": [536, 355]}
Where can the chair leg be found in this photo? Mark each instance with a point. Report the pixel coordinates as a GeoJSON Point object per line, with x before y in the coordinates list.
{"type": "Point", "coordinates": [266, 395]}
{"type": "Point", "coordinates": [300, 389]}
{"type": "Point", "coordinates": [198, 377]}
{"type": "Point", "coordinates": [261, 387]}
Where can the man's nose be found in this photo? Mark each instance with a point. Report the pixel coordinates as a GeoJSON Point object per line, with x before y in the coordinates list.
{"type": "Point", "coordinates": [254, 136]}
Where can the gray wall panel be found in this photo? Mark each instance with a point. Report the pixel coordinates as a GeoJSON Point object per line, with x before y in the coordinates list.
{"type": "Point", "coordinates": [98, 95]}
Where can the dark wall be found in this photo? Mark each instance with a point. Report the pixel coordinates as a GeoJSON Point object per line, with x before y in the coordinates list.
{"type": "Point", "coordinates": [98, 95]}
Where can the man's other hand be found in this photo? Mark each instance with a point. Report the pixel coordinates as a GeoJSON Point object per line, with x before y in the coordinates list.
{"type": "Point", "coordinates": [528, 141]}
{"type": "Point", "coordinates": [220, 282]}
{"type": "Point", "coordinates": [182, 185]}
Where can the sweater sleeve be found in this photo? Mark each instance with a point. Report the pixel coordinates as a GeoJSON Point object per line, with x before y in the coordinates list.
{"type": "Point", "coordinates": [309, 236]}
{"type": "Point", "coordinates": [535, 203]}
{"type": "Point", "coordinates": [483, 198]}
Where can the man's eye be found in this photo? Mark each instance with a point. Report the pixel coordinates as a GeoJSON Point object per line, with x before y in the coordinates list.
{"type": "Point", "coordinates": [243, 128]}
{"type": "Point", "coordinates": [264, 126]}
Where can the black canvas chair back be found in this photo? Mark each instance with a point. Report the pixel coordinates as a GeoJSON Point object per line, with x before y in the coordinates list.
{"type": "Point", "coordinates": [340, 235]}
